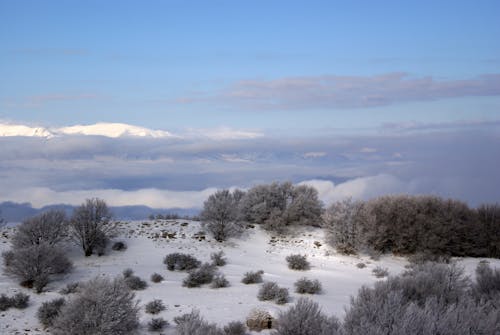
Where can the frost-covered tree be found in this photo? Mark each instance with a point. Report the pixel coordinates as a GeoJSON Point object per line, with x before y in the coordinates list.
{"type": "Point", "coordinates": [102, 306]}
{"type": "Point", "coordinates": [278, 206]}
{"type": "Point", "coordinates": [49, 227]}
{"type": "Point", "coordinates": [220, 214]}
{"type": "Point", "coordinates": [34, 265]}
{"type": "Point", "coordinates": [340, 222]}
{"type": "Point", "coordinates": [91, 225]}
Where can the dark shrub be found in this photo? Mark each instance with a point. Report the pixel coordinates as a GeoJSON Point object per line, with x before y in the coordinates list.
{"type": "Point", "coordinates": [135, 283]}
{"type": "Point", "coordinates": [361, 265]}
{"type": "Point", "coordinates": [156, 277]}
{"type": "Point", "coordinates": [157, 324]}
{"type": "Point", "coordinates": [49, 311]}
{"type": "Point", "coordinates": [70, 288]}
{"type": "Point", "coordinates": [218, 258]}
{"type": "Point", "coordinates": [5, 302]}
{"type": "Point", "coordinates": [282, 296]}
{"type": "Point", "coordinates": [252, 277]}
{"type": "Point", "coordinates": [235, 328]}
{"type": "Point", "coordinates": [20, 300]}
{"type": "Point", "coordinates": [268, 291]}
{"type": "Point", "coordinates": [380, 272]}
{"type": "Point", "coordinates": [305, 285]}
{"type": "Point", "coordinates": [298, 262]}
{"type": "Point", "coordinates": [181, 262]}
{"type": "Point", "coordinates": [119, 246]}
{"type": "Point", "coordinates": [219, 281]}
{"type": "Point", "coordinates": [198, 277]}
{"type": "Point", "coordinates": [155, 307]}
{"type": "Point", "coordinates": [127, 272]}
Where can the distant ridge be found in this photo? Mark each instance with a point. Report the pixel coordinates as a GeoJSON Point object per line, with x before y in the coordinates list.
{"type": "Point", "coordinates": [17, 212]}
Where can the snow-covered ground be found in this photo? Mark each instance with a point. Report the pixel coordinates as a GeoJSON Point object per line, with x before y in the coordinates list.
{"type": "Point", "coordinates": [255, 250]}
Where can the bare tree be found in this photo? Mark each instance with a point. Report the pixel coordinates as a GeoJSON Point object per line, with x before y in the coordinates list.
{"type": "Point", "coordinates": [91, 225]}
{"type": "Point", "coordinates": [102, 306]}
{"type": "Point", "coordinates": [33, 265]}
{"type": "Point", "coordinates": [340, 222]}
{"type": "Point", "coordinates": [49, 227]}
{"type": "Point", "coordinates": [2, 221]}
{"type": "Point", "coordinates": [220, 212]}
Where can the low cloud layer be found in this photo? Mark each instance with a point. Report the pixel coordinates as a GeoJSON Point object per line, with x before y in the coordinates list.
{"type": "Point", "coordinates": [459, 161]}
{"type": "Point", "coordinates": [346, 91]}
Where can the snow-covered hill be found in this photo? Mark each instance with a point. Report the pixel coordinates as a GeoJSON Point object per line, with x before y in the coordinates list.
{"type": "Point", "coordinates": [150, 241]}
{"type": "Point", "coordinates": [7, 130]}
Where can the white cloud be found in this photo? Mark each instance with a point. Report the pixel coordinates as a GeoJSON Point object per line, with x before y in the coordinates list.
{"type": "Point", "coordinates": [314, 154]}
{"type": "Point", "coordinates": [224, 133]}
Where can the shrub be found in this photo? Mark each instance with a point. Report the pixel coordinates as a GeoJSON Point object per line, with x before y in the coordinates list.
{"type": "Point", "coordinates": [49, 311]}
{"type": "Point", "coordinates": [487, 281]}
{"type": "Point", "coordinates": [198, 277]}
{"type": "Point", "coordinates": [220, 213]}
{"type": "Point", "coordinates": [181, 262]}
{"type": "Point", "coordinates": [155, 306]}
{"type": "Point", "coordinates": [235, 328]}
{"type": "Point", "coordinates": [70, 288]}
{"type": "Point", "coordinates": [252, 277]}
{"type": "Point", "coordinates": [127, 272]}
{"type": "Point", "coordinates": [341, 225]}
{"type": "Point", "coordinates": [380, 272]}
{"type": "Point", "coordinates": [219, 281]}
{"type": "Point", "coordinates": [119, 246]}
{"type": "Point", "coordinates": [305, 285]}
{"type": "Point", "coordinates": [5, 302]}
{"type": "Point", "coordinates": [193, 324]}
{"type": "Point", "coordinates": [156, 277]}
{"type": "Point", "coordinates": [298, 262]}
{"type": "Point", "coordinates": [423, 257]}
{"type": "Point", "coordinates": [218, 258]}
{"type": "Point", "coordinates": [268, 291]}
{"type": "Point", "coordinates": [282, 296]}
{"type": "Point", "coordinates": [34, 265]}
{"type": "Point", "coordinates": [306, 318]}
{"type": "Point", "coordinates": [102, 306]}
{"type": "Point", "coordinates": [157, 324]}
{"type": "Point", "coordinates": [361, 265]}
{"type": "Point", "coordinates": [135, 283]}
{"type": "Point", "coordinates": [20, 300]}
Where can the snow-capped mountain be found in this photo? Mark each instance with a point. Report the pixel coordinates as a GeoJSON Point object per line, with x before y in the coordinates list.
{"type": "Point", "coordinates": [22, 130]}
{"type": "Point", "coordinates": [113, 130]}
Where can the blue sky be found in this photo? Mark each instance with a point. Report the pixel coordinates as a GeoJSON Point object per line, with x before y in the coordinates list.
{"type": "Point", "coordinates": [372, 97]}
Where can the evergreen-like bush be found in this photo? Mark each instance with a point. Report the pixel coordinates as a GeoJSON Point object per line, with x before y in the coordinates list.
{"type": "Point", "coordinates": [119, 246]}
{"type": "Point", "coordinates": [49, 311]}
{"type": "Point", "coordinates": [135, 283]}
{"type": "Point", "coordinates": [198, 277]}
{"type": "Point", "coordinates": [252, 277]}
{"type": "Point", "coordinates": [157, 324]}
{"type": "Point", "coordinates": [271, 291]}
{"type": "Point", "coordinates": [155, 306]}
{"type": "Point", "coordinates": [20, 300]}
{"type": "Point", "coordinates": [181, 262]}
{"type": "Point", "coordinates": [298, 262]}
{"type": "Point", "coordinates": [305, 285]}
{"type": "Point", "coordinates": [156, 277]}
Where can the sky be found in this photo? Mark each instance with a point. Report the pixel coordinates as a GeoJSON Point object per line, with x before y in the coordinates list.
{"type": "Point", "coordinates": [358, 98]}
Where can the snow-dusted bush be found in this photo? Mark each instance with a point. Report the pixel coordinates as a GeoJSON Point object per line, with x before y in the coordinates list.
{"type": "Point", "coordinates": [271, 291]}
{"type": "Point", "coordinates": [218, 258]}
{"type": "Point", "coordinates": [135, 282]}
{"type": "Point", "coordinates": [341, 226]}
{"type": "Point", "coordinates": [157, 324]}
{"type": "Point", "coordinates": [49, 227]}
{"type": "Point", "coordinates": [156, 277]}
{"type": "Point", "coordinates": [487, 281]}
{"type": "Point", "coordinates": [235, 328]}
{"type": "Point", "coordinates": [49, 310]}
{"type": "Point", "coordinates": [298, 262]}
{"type": "Point", "coordinates": [119, 246]}
{"type": "Point", "coordinates": [127, 272]}
{"type": "Point", "coordinates": [20, 300]}
{"type": "Point", "coordinates": [34, 265]}
{"type": "Point", "coordinates": [180, 262]}
{"type": "Point", "coordinates": [306, 318]}
{"type": "Point", "coordinates": [220, 214]}
{"type": "Point", "coordinates": [155, 306]}
{"type": "Point", "coordinates": [219, 281]}
{"type": "Point", "coordinates": [102, 306]}
{"type": "Point", "coordinates": [91, 226]}
{"type": "Point", "coordinates": [197, 277]}
{"type": "Point", "coordinates": [361, 265]}
{"type": "Point", "coordinates": [5, 302]}
{"type": "Point", "coordinates": [193, 324]}
{"type": "Point", "coordinates": [380, 272]}
{"type": "Point", "coordinates": [252, 277]}
{"type": "Point", "coordinates": [304, 285]}
{"type": "Point", "coordinates": [70, 288]}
